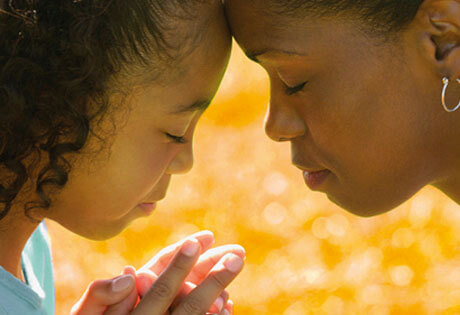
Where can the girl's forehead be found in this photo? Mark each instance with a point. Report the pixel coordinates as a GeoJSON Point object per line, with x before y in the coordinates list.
{"type": "Point", "coordinates": [182, 46]}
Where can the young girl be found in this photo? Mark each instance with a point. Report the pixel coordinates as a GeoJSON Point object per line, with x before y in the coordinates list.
{"type": "Point", "coordinates": [98, 104]}
{"type": "Point", "coordinates": [365, 91]}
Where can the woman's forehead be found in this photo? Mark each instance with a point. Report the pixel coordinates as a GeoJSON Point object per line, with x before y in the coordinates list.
{"type": "Point", "coordinates": [258, 33]}
{"type": "Point", "coordinates": [249, 25]}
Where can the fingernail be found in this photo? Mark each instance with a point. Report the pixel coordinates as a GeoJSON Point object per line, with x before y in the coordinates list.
{"type": "Point", "coordinates": [219, 303]}
{"type": "Point", "coordinates": [226, 312]}
{"type": "Point", "coordinates": [190, 248]}
{"type": "Point", "coordinates": [242, 249]}
{"type": "Point", "coordinates": [234, 263]}
{"type": "Point", "coordinates": [230, 305]}
{"type": "Point", "coordinates": [122, 283]}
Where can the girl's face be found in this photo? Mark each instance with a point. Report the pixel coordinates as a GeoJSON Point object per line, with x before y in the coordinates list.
{"type": "Point", "coordinates": [363, 116]}
{"type": "Point", "coordinates": [104, 193]}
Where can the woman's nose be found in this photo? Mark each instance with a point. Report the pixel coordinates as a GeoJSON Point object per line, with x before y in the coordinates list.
{"type": "Point", "coordinates": [283, 123]}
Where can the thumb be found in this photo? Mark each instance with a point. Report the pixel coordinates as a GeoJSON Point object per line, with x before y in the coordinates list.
{"type": "Point", "coordinates": [103, 293]}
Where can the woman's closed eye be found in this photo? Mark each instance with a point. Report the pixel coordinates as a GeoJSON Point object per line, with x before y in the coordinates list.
{"type": "Point", "coordinates": [296, 89]}
{"type": "Point", "coordinates": [176, 139]}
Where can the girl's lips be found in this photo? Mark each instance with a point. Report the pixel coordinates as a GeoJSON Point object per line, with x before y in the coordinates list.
{"type": "Point", "coordinates": [315, 179]}
{"type": "Point", "coordinates": [148, 208]}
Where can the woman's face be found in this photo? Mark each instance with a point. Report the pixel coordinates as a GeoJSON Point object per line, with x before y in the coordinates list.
{"type": "Point", "coordinates": [362, 115]}
{"type": "Point", "coordinates": [104, 193]}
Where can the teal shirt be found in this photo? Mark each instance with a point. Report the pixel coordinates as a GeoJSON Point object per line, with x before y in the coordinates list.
{"type": "Point", "coordinates": [37, 295]}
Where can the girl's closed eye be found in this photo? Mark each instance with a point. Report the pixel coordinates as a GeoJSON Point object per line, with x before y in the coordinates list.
{"type": "Point", "coordinates": [176, 139]}
{"type": "Point", "coordinates": [296, 89]}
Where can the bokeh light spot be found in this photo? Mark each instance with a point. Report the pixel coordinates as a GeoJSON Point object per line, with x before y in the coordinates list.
{"type": "Point", "coordinates": [420, 211]}
{"type": "Point", "coordinates": [295, 309]}
{"type": "Point", "coordinates": [333, 305]}
{"type": "Point", "coordinates": [337, 225]}
{"type": "Point", "coordinates": [373, 294]}
{"type": "Point", "coordinates": [319, 228]}
{"type": "Point", "coordinates": [275, 213]}
{"type": "Point", "coordinates": [401, 275]}
{"type": "Point", "coordinates": [275, 183]}
{"type": "Point", "coordinates": [403, 238]}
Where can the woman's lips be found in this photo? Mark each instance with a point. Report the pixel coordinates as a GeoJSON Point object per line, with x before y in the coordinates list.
{"type": "Point", "coordinates": [148, 208]}
{"type": "Point", "coordinates": [315, 179]}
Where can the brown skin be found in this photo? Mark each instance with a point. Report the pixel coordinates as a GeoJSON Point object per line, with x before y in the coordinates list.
{"type": "Point", "coordinates": [371, 111]}
{"type": "Point", "coordinates": [104, 190]}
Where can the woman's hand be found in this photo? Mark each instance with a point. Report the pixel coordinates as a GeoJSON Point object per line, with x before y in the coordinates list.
{"type": "Point", "coordinates": [192, 282]}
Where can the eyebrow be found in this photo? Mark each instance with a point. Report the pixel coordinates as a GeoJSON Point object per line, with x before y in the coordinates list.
{"type": "Point", "coordinates": [253, 55]}
{"type": "Point", "coordinates": [201, 105]}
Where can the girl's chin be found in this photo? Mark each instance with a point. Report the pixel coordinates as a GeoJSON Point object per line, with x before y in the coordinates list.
{"type": "Point", "coordinates": [103, 234]}
{"type": "Point", "coordinates": [102, 231]}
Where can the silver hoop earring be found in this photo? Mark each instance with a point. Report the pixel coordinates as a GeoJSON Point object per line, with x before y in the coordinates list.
{"type": "Point", "coordinates": [443, 98]}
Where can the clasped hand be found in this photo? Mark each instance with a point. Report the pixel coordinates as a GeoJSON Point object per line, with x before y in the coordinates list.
{"type": "Point", "coordinates": [186, 278]}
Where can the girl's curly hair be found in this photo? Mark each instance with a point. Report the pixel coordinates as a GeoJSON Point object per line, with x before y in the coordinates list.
{"type": "Point", "coordinates": [57, 61]}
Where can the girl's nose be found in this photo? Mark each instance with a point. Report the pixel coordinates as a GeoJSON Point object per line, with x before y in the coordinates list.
{"type": "Point", "coordinates": [182, 162]}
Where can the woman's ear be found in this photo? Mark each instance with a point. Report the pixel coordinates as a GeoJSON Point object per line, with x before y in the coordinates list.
{"type": "Point", "coordinates": [444, 17]}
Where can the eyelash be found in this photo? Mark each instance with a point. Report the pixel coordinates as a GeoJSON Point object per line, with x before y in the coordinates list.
{"type": "Point", "coordinates": [294, 90]}
{"type": "Point", "coordinates": [176, 139]}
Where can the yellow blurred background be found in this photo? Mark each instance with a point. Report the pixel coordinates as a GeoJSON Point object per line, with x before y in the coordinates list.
{"type": "Point", "coordinates": [304, 254]}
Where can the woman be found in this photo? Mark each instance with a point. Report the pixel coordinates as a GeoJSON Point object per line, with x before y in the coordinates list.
{"type": "Point", "coordinates": [99, 103]}
{"type": "Point", "coordinates": [366, 92]}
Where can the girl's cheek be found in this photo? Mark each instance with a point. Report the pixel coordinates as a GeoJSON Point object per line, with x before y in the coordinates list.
{"type": "Point", "coordinates": [161, 159]}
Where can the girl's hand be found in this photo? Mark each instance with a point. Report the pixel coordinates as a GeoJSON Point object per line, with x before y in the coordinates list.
{"type": "Point", "coordinates": [120, 291]}
{"type": "Point", "coordinates": [168, 295]}
{"type": "Point", "coordinates": [171, 264]}
{"type": "Point", "coordinates": [207, 264]}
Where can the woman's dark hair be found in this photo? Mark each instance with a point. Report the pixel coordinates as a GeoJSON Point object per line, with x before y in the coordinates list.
{"type": "Point", "coordinates": [57, 62]}
{"type": "Point", "coordinates": [382, 17]}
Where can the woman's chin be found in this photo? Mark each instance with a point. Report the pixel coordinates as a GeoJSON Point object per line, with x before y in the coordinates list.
{"type": "Point", "coordinates": [365, 208]}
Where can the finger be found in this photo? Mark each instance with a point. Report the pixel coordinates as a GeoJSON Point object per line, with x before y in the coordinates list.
{"type": "Point", "coordinates": [229, 307]}
{"type": "Point", "coordinates": [219, 303]}
{"type": "Point", "coordinates": [158, 263]}
{"type": "Point", "coordinates": [162, 293]}
{"type": "Point", "coordinates": [126, 305]}
{"type": "Point", "coordinates": [129, 270]}
{"type": "Point", "coordinates": [204, 295]}
{"type": "Point", "coordinates": [210, 258]}
{"type": "Point", "coordinates": [144, 280]}
{"type": "Point", "coordinates": [189, 287]}
{"type": "Point", "coordinates": [225, 311]}
{"type": "Point", "coordinates": [102, 293]}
